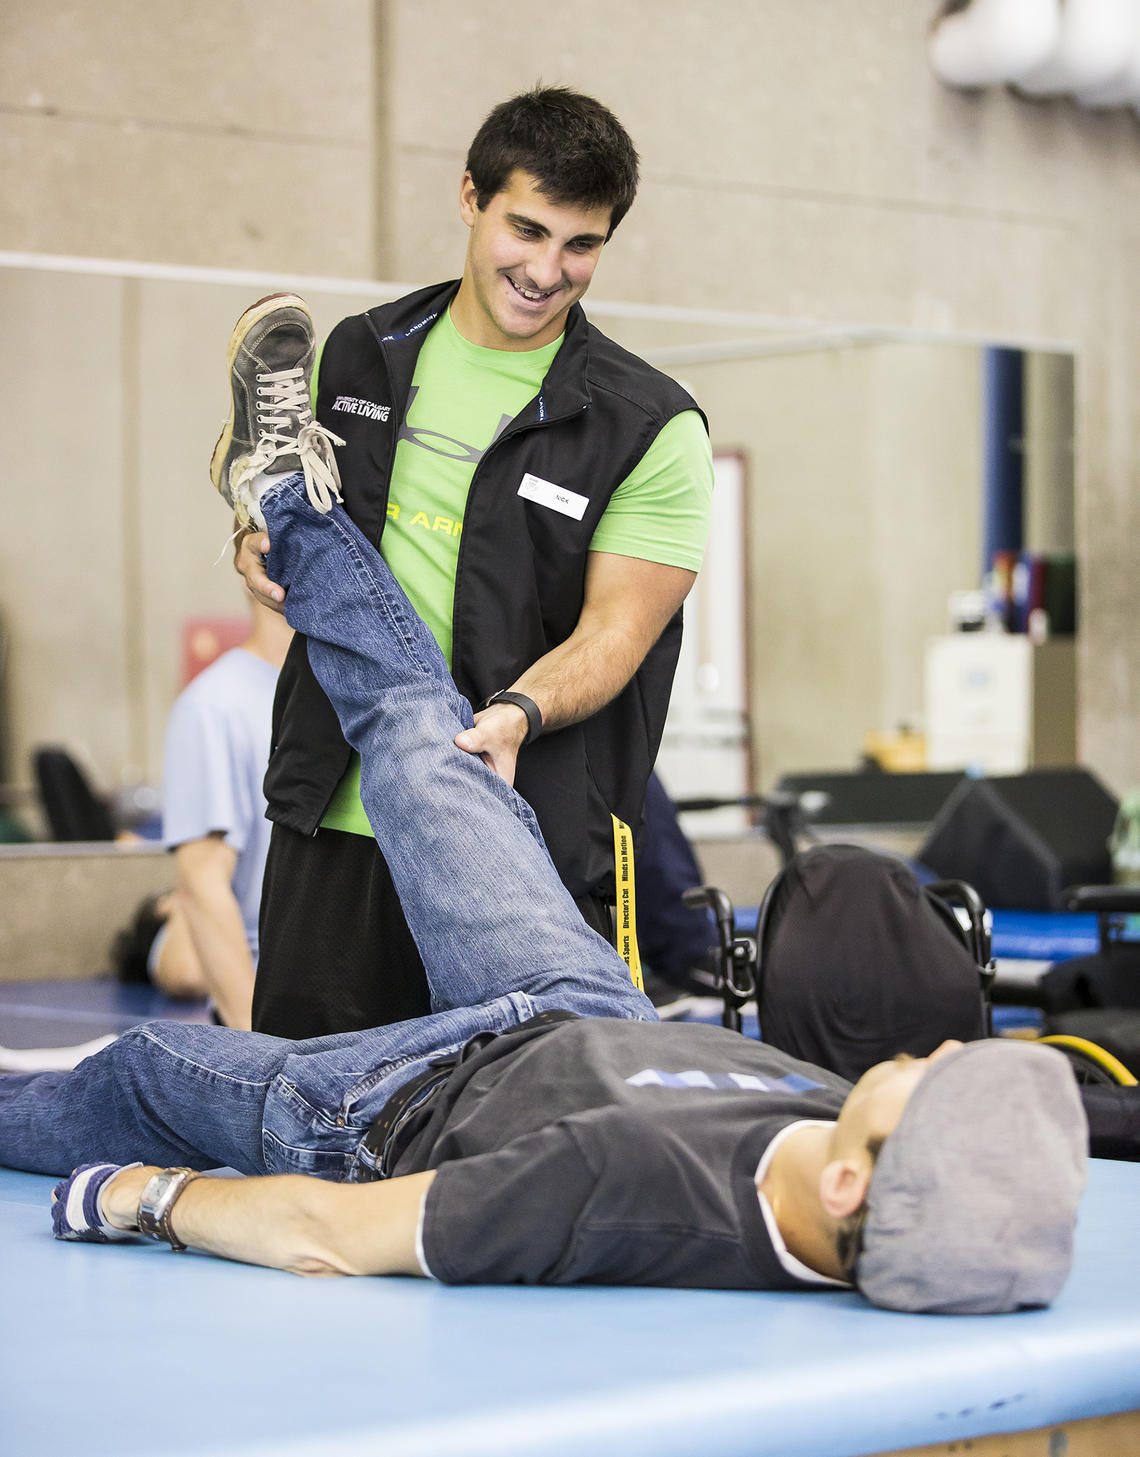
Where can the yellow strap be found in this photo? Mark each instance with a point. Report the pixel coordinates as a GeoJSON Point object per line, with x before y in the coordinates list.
{"type": "Point", "coordinates": [1095, 1054]}
{"type": "Point", "coordinates": [626, 902]}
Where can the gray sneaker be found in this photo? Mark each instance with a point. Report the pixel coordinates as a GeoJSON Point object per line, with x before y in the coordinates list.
{"type": "Point", "coordinates": [270, 426]}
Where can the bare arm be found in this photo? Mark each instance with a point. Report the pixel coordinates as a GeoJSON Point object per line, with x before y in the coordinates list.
{"type": "Point", "coordinates": [205, 898]}
{"type": "Point", "coordinates": [291, 1221]}
{"type": "Point", "coordinates": [626, 607]}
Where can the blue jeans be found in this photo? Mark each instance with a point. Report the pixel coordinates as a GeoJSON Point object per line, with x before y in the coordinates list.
{"type": "Point", "coordinates": [500, 937]}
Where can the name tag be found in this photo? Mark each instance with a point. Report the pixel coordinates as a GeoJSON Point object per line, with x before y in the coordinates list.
{"type": "Point", "coordinates": [558, 498]}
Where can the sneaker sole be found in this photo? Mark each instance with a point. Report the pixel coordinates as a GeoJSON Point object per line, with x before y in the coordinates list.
{"type": "Point", "coordinates": [253, 315]}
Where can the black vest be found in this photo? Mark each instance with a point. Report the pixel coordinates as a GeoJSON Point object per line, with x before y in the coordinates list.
{"type": "Point", "coordinates": [520, 573]}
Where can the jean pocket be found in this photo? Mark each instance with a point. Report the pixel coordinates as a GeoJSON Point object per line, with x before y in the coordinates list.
{"type": "Point", "coordinates": [300, 1138]}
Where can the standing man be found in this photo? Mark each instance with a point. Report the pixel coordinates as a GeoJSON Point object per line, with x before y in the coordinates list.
{"type": "Point", "coordinates": [542, 496]}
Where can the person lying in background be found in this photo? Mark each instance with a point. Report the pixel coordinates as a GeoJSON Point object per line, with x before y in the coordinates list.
{"type": "Point", "coordinates": [213, 818]}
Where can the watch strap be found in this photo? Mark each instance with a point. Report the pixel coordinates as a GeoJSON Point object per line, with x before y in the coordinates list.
{"type": "Point", "coordinates": [520, 700]}
{"type": "Point", "coordinates": [158, 1199]}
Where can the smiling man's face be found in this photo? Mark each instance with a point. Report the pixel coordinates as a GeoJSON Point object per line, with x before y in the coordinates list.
{"type": "Point", "coordinates": [528, 260]}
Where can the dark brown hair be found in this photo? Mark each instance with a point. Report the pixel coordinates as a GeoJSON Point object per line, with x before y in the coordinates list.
{"type": "Point", "coordinates": [575, 148]}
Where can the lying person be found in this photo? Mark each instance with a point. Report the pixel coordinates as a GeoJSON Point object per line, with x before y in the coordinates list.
{"type": "Point", "coordinates": [539, 1126]}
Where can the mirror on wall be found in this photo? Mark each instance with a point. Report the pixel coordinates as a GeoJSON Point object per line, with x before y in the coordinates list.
{"type": "Point", "coordinates": [849, 505]}
{"type": "Point", "coordinates": [862, 500]}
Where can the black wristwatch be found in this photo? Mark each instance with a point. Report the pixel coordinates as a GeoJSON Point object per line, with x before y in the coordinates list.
{"type": "Point", "coordinates": [158, 1199]}
{"type": "Point", "coordinates": [520, 700]}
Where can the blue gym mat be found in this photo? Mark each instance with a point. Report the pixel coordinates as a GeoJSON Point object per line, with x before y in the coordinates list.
{"type": "Point", "coordinates": [105, 1348]}
{"type": "Point", "coordinates": [59, 1013]}
{"type": "Point", "coordinates": [102, 1347]}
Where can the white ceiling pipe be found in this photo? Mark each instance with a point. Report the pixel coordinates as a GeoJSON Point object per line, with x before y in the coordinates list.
{"type": "Point", "coordinates": [1122, 88]}
{"type": "Point", "coordinates": [993, 41]}
{"type": "Point", "coordinates": [1095, 38]}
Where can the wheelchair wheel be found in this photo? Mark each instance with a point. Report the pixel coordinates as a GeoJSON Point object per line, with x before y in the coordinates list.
{"type": "Point", "coordinates": [1090, 1062]}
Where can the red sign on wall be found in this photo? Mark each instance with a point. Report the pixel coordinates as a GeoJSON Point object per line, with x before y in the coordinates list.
{"type": "Point", "coordinates": [207, 638]}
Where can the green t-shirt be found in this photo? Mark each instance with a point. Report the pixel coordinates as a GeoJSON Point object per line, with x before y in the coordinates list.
{"type": "Point", "coordinates": [462, 397]}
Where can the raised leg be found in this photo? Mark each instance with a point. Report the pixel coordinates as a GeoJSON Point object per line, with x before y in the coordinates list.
{"type": "Point", "coordinates": [481, 896]}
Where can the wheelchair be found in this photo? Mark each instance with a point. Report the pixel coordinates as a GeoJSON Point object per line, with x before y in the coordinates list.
{"type": "Point", "coordinates": [743, 962]}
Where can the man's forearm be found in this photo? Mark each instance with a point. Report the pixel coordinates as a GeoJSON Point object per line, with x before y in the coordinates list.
{"type": "Point", "coordinates": [581, 675]}
{"type": "Point", "coordinates": [626, 607]}
{"type": "Point", "coordinates": [567, 684]}
{"type": "Point", "coordinates": [289, 1221]}
{"type": "Point", "coordinates": [218, 935]}
{"type": "Point", "coordinates": [214, 921]}
{"type": "Point", "coordinates": [258, 1221]}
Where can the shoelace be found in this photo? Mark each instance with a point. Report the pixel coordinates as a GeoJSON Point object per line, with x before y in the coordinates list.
{"type": "Point", "coordinates": [286, 424]}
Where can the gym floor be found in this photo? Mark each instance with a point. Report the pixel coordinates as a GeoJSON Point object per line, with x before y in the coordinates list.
{"type": "Point", "coordinates": [114, 1349]}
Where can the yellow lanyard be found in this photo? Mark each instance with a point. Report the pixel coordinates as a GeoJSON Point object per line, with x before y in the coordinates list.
{"type": "Point", "coordinates": [626, 902]}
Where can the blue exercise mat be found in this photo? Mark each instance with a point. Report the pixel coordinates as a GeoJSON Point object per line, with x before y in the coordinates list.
{"type": "Point", "coordinates": [58, 1013]}
{"type": "Point", "coordinates": [102, 1348]}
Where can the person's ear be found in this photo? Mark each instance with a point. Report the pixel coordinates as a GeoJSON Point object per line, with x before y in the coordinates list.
{"type": "Point", "coordinates": [468, 200]}
{"type": "Point", "coordinates": [843, 1186]}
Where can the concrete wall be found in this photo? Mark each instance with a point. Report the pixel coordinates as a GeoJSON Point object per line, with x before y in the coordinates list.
{"type": "Point", "coordinates": [800, 160]}
{"type": "Point", "coordinates": [114, 535]}
{"type": "Point", "coordinates": [221, 133]}
{"type": "Point", "coordinates": [62, 906]}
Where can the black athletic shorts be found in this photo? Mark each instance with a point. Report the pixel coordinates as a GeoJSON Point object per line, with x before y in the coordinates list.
{"type": "Point", "coordinates": [336, 954]}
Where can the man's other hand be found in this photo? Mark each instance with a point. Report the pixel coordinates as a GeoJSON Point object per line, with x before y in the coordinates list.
{"type": "Point", "coordinates": [249, 559]}
{"type": "Point", "coordinates": [496, 738]}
